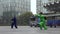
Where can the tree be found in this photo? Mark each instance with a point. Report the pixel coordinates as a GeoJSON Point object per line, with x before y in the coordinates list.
{"type": "Point", "coordinates": [24, 18]}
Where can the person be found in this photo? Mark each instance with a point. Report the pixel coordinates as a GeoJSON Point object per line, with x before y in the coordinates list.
{"type": "Point", "coordinates": [14, 22]}
{"type": "Point", "coordinates": [42, 23]}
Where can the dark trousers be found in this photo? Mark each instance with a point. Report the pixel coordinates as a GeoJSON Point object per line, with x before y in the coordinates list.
{"type": "Point", "coordinates": [13, 24]}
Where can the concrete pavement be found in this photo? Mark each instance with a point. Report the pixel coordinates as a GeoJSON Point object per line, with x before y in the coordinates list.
{"type": "Point", "coordinates": [28, 30]}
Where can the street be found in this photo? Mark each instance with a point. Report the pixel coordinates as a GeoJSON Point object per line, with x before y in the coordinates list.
{"type": "Point", "coordinates": [28, 30]}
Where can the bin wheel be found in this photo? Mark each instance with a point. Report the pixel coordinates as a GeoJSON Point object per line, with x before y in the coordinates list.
{"type": "Point", "coordinates": [51, 26]}
{"type": "Point", "coordinates": [54, 26]}
{"type": "Point", "coordinates": [30, 25]}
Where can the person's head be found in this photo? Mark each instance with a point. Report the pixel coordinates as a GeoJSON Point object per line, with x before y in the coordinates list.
{"type": "Point", "coordinates": [40, 13]}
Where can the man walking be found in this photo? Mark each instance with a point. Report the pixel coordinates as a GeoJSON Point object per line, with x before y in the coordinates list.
{"type": "Point", "coordinates": [14, 22]}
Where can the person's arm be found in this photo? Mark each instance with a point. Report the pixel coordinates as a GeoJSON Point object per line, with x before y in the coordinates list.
{"type": "Point", "coordinates": [37, 15]}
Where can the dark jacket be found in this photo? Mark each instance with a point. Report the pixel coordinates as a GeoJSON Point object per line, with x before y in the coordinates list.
{"type": "Point", "coordinates": [14, 20]}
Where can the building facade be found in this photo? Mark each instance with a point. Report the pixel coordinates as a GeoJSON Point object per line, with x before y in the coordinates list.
{"type": "Point", "coordinates": [14, 6]}
{"type": "Point", "coordinates": [11, 8]}
{"type": "Point", "coordinates": [41, 3]}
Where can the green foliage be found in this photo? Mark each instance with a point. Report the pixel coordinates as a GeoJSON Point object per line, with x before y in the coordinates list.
{"type": "Point", "coordinates": [24, 18]}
